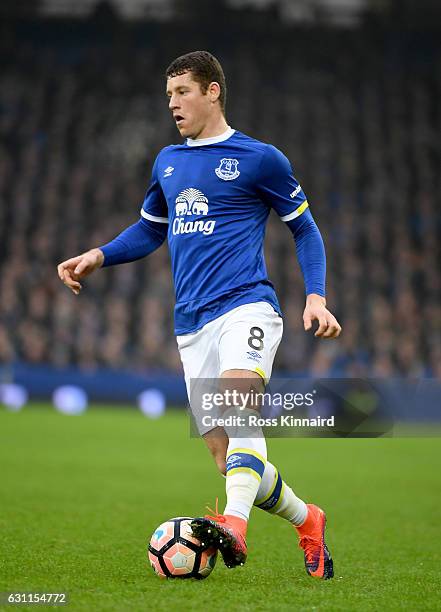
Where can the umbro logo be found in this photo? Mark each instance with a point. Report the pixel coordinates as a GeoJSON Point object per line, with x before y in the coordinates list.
{"type": "Point", "coordinates": [168, 171]}
{"type": "Point", "coordinates": [296, 191]}
{"type": "Point", "coordinates": [234, 460]}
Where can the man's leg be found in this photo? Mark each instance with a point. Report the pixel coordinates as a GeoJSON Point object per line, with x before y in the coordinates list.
{"type": "Point", "coordinates": [248, 337]}
{"type": "Point", "coordinates": [246, 452]}
{"type": "Point", "coordinates": [244, 448]}
{"type": "Point", "coordinates": [273, 495]}
{"type": "Point", "coordinates": [240, 331]}
{"type": "Point", "coordinates": [276, 497]}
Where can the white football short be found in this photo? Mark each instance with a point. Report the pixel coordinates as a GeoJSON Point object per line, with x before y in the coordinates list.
{"type": "Point", "coordinates": [244, 338]}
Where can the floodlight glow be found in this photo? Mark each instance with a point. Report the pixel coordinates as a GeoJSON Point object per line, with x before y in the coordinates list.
{"type": "Point", "coordinates": [151, 402]}
{"type": "Point", "coordinates": [69, 399]}
{"type": "Point", "coordinates": [13, 396]}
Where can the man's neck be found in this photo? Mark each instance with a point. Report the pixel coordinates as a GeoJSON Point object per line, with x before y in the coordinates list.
{"type": "Point", "coordinates": [213, 129]}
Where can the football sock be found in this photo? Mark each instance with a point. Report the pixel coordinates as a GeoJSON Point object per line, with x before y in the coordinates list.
{"type": "Point", "coordinates": [276, 497]}
{"type": "Point", "coordinates": [246, 458]}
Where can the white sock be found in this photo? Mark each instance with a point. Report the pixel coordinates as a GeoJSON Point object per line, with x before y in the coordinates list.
{"type": "Point", "coordinates": [276, 497]}
{"type": "Point", "coordinates": [246, 459]}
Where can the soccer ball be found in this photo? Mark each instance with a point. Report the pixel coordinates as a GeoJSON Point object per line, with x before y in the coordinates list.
{"type": "Point", "coordinates": [175, 553]}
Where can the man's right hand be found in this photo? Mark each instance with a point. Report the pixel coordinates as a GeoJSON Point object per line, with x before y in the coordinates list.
{"type": "Point", "coordinates": [76, 268]}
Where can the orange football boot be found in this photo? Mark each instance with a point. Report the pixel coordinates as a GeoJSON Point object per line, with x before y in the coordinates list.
{"type": "Point", "coordinates": [318, 560]}
{"type": "Point", "coordinates": [226, 533]}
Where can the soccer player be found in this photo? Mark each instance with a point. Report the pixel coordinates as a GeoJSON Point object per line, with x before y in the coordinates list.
{"type": "Point", "coordinates": [211, 196]}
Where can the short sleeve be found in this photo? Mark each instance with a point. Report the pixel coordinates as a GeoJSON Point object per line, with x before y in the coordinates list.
{"type": "Point", "coordinates": [277, 186]}
{"type": "Point", "coordinates": [155, 207]}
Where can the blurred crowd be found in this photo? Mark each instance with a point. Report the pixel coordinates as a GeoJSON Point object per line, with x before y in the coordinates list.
{"type": "Point", "coordinates": [360, 119]}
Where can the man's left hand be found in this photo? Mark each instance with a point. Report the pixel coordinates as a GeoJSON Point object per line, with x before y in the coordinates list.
{"type": "Point", "coordinates": [315, 310]}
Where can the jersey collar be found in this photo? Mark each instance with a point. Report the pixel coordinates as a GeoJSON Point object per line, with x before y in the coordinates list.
{"type": "Point", "coordinates": [200, 142]}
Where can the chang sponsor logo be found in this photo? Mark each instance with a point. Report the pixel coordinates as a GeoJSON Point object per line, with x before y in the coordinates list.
{"type": "Point", "coordinates": [192, 202]}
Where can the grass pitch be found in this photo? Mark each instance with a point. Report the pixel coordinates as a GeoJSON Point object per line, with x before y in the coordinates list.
{"type": "Point", "coordinates": [80, 497]}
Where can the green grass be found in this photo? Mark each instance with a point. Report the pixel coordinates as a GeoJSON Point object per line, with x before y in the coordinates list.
{"type": "Point", "coordinates": [80, 497]}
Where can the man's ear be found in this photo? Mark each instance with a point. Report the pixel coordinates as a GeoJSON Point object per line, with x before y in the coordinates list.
{"type": "Point", "coordinates": [214, 91]}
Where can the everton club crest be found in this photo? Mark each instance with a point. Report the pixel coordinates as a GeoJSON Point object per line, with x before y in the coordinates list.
{"type": "Point", "coordinates": [227, 169]}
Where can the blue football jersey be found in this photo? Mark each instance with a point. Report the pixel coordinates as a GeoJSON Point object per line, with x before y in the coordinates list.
{"type": "Point", "coordinates": [216, 195]}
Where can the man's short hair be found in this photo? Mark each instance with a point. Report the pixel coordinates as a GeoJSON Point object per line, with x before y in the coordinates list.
{"type": "Point", "coordinates": [205, 69]}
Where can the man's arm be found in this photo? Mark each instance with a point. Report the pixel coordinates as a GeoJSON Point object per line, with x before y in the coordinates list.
{"type": "Point", "coordinates": [312, 259]}
{"type": "Point", "coordinates": [135, 242]}
{"type": "Point", "coordinates": [138, 240]}
{"type": "Point", "coordinates": [278, 187]}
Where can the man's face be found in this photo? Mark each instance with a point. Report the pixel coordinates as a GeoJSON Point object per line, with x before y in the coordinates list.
{"type": "Point", "coordinates": [190, 107]}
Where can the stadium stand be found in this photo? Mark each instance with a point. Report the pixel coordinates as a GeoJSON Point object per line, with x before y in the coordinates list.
{"type": "Point", "coordinates": [81, 121]}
